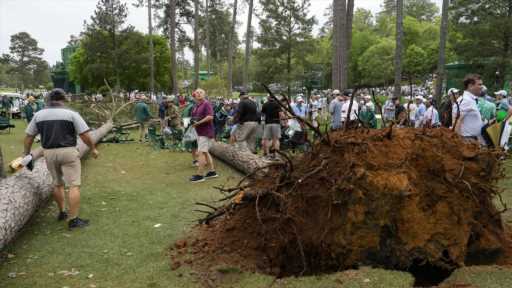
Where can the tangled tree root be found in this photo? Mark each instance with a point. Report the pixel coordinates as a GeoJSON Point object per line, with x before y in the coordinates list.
{"type": "Point", "coordinates": [399, 199]}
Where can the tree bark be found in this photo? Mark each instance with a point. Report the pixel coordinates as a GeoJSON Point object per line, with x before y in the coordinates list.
{"type": "Point", "coordinates": [172, 38]}
{"type": "Point", "coordinates": [398, 48]}
{"type": "Point", "coordinates": [196, 44]}
{"type": "Point", "coordinates": [442, 51]}
{"type": "Point", "coordinates": [240, 159]}
{"type": "Point", "coordinates": [248, 42]}
{"type": "Point", "coordinates": [22, 193]}
{"type": "Point", "coordinates": [339, 43]}
{"type": "Point", "coordinates": [207, 44]}
{"type": "Point", "coordinates": [2, 171]}
{"type": "Point", "coordinates": [348, 41]}
{"type": "Point", "coordinates": [231, 48]}
{"type": "Point", "coordinates": [151, 52]}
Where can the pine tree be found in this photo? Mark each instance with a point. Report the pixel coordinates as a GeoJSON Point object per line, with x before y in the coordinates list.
{"type": "Point", "coordinates": [285, 25]}
{"type": "Point", "coordinates": [110, 16]}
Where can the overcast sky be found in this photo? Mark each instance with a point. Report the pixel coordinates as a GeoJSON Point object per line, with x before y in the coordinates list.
{"type": "Point", "coordinates": [51, 22]}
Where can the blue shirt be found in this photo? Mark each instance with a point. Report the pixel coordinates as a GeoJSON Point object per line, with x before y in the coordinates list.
{"type": "Point", "coordinates": [420, 112]}
{"type": "Point", "coordinates": [299, 110]}
{"type": "Point", "coordinates": [336, 109]}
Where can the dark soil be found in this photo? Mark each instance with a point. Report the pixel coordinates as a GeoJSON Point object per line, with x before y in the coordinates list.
{"type": "Point", "coordinates": [407, 199]}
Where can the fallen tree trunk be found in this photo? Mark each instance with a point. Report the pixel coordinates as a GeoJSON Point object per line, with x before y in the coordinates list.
{"type": "Point", "coordinates": [2, 171]}
{"type": "Point", "coordinates": [240, 159]}
{"type": "Point", "coordinates": [22, 193]}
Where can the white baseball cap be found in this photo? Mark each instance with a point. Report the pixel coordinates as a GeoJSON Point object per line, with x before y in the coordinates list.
{"type": "Point", "coordinates": [453, 91]}
{"type": "Point", "coordinates": [336, 92]}
{"type": "Point", "coordinates": [501, 93]}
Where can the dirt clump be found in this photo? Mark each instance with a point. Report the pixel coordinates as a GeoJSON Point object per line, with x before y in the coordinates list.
{"type": "Point", "coordinates": [392, 198]}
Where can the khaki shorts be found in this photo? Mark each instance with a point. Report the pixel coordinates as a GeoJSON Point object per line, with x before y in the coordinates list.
{"type": "Point", "coordinates": [204, 143]}
{"type": "Point", "coordinates": [272, 131]}
{"type": "Point", "coordinates": [64, 166]}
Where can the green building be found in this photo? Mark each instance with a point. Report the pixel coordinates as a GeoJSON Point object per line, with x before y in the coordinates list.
{"type": "Point", "coordinates": [60, 72]}
{"type": "Point", "coordinates": [457, 71]}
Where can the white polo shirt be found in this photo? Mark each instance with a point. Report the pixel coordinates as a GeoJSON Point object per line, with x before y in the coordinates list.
{"type": "Point", "coordinates": [353, 111]}
{"type": "Point", "coordinates": [471, 125]}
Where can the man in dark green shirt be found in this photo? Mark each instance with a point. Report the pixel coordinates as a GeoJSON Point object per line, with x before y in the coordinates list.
{"type": "Point", "coordinates": [30, 108]}
{"type": "Point", "coordinates": [142, 116]}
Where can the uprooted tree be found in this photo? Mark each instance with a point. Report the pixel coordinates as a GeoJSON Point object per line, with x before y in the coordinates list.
{"type": "Point", "coordinates": [397, 199]}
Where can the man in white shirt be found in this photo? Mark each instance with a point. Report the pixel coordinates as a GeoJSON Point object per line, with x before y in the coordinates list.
{"type": "Point", "coordinates": [469, 123]}
{"type": "Point", "coordinates": [346, 105]}
{"type": "Point", "coordinates": [431, 116]}
{"type": "Point", "coordinates": [420, 111]}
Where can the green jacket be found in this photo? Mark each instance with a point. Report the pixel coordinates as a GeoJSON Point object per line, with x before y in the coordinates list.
{"type": "Point", "coordinates": [39, 105]}
{"type": "Point", "coordinates": [141, 111]}
{"type": "Point", "coordinates": [368, 117]}
{"type": "Point", "coordinates": [30, 109]}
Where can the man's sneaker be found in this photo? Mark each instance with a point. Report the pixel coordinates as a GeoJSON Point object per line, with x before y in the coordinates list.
{"type": "Point", "coordinates": [77, 223]}
{"type": "Point", "coordinates": [196, 179]}
{"type": "Point", "coordinates": [211, 174]}
{"type": "Point", "coordinates": [62, 216]}
{"type": "Point", "coordinates": [195, 163]}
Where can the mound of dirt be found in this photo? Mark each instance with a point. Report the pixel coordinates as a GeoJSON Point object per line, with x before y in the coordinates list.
{"type": "Point", "coordinates": [394, 198]}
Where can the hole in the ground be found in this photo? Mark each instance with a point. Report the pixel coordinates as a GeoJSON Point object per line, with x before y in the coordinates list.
{"type": "Point", "coordinates": [428, 275]}
{"type": "Point", "coordinates": [318, 263]}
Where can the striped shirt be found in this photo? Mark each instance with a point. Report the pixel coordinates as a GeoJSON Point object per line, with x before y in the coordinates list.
{"type": "Point", "coordinates": [58, 126]}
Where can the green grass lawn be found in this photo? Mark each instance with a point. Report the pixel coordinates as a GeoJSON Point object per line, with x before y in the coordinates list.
{"type": "Point", "coordinates": [126, 193]}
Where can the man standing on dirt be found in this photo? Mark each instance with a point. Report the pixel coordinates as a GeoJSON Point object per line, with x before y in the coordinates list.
{"type": "Point", "coordinates": [202, 117]}
{"type": "Point", "coordinates": [272, 132]}
{"type": "Point", "coordinates": [59, 127]}
{"type": "Point", "coordinates": [466, 116]}
{"type": "Point", "coordinates": [246, 117]}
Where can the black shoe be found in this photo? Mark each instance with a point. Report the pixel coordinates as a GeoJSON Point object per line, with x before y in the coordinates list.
{"type": "Point", "coordinates": [63, 215]}
{"type": "Point", "coordinates": [211, 174]}
{"type": "Point", "coordinates": [77, 223]}
{"type": "Point", "coordinates": [196, 179]}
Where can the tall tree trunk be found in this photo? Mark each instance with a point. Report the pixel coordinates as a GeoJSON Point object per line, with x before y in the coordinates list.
{"type": "Point", "coordinates": [231, 48]}
{"type": "Point", "coordinates": [196, 44]}
{"type": "Point", "coordinates": [207, 44]}
{"type": "Point", "coordinates": [339, 42]}
{"type": "Point", "coordinates": [289, 55]}
{"type": "Point", "coordinates": [172, 38]}
{"type": "Point", "coordinates": [442, 51]}
{"type": "Point", "coordinates": [399, 48]}
{"type": "Point", "coordinates": [248, 45]}
{"type": "Point", "coordinates": [348, 41]}
{"type": "Point", "coordinates": [151, 52]}
{"type": "Point", "coordinates": [114, 48]}
{"type": "Point", "coordinates": [22, 193]}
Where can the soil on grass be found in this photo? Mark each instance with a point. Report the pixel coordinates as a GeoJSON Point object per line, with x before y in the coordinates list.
{"type": "Point", "coordinates": [408, 199]}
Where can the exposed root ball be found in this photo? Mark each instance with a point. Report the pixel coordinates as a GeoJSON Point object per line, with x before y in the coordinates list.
{"type": "Point", "coordinates": [395, 199]}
